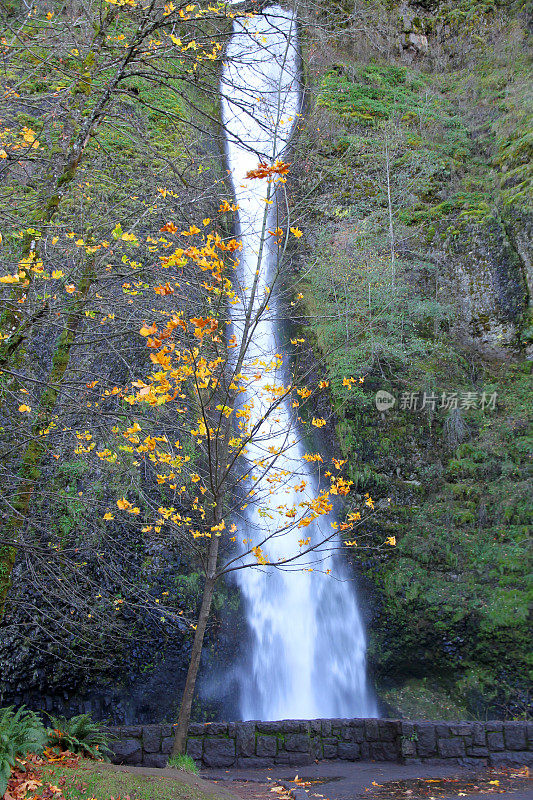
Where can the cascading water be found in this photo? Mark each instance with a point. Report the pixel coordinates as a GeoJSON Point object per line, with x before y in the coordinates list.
{"type": "Point", "coordinates": [308, 656]}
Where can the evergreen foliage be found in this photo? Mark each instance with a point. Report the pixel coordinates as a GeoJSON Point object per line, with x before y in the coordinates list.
{"type": "Point", "coordinates": [21, 731]}
{"type": "Point", "coordinates": [81, 735]}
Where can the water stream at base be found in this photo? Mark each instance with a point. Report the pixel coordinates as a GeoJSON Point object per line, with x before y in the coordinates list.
{"type": "Point", "coordinates": [308, 657]}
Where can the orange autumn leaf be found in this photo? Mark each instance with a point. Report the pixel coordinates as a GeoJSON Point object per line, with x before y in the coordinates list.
{"type": "Point", "coordinates": [145, 331]}
{"type": "Point", "coordinates": [201, 323]}
{"type": "Point", "coordinates": [123, 504]}
{"type": "Point", "coordinates": [168, 228]}
{"type": "Point", "coordinates": [163, 290]}
{"type": "Point", "coordinates": [278, 233]}
{"type": "Point", "coordinates": [266, 171]}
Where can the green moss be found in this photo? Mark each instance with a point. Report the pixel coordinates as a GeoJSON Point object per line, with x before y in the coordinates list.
{"type": "Point", "coordinates": [423, 699]}
{"type": "Point", "coordinates": [368, 94]}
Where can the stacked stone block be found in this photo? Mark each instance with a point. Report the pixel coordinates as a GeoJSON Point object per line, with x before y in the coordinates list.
{"type": "Point", "coordinates": [299, 742]}
{"type": "Point", "coordinates": [469, 743]}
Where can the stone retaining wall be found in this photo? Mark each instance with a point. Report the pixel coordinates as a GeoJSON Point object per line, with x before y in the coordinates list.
{"type": "Point", "coordinates": [297, 742]}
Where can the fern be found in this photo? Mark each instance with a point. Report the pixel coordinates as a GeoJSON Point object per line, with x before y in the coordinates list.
{"type": "Point", "coordinates": [21, 732]}
{"type": "Point", "coordinates": [81, 735]}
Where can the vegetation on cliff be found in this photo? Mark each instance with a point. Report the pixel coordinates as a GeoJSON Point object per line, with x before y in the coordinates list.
{"type": "Point", "coordinates": [415, 169]}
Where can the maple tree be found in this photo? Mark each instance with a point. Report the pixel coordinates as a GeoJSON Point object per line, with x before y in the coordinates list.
{"type": "Point", "coordinates": [235, 448]}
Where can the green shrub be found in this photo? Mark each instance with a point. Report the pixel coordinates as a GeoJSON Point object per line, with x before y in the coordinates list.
{"type": "Point", "coordinates": [21, 732]}
{"type": "Point", "coordinates": [184, 763]}
{"type": "Point", "coordinates": [81, 735]}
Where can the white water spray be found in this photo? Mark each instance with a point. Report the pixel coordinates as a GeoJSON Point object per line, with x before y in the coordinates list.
{"type": "Point", "coordinates": [308, 656]}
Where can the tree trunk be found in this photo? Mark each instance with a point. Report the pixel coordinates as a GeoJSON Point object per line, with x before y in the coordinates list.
{"type": "Point", "coordinates": [30, 469]}
{"type": "Point", "coordinates": [180, 739]}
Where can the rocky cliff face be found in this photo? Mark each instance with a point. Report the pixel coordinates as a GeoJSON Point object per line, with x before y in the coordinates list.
{"type": "Point", "coordinates": [415, 165]}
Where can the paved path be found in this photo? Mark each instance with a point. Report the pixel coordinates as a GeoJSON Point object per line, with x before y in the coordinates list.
{"type": "Point", "coordinates": [343, 780]}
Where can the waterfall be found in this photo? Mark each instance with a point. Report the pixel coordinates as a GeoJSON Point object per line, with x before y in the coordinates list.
{"type": "Point", "coordinates": [308, 640]}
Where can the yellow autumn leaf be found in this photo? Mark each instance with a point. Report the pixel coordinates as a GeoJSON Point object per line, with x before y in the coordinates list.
{"type": "Point", "coordinates": [129, 237]}
{"type": "Point", "coordinates": [296, 232]}
{"type": "Point", "coordinates": [24, 408]}
{"type": "Point", "coordinates": [108, 515]}
{"type": "Point", "coordinates": [260, 556]}
{"type": "Point", "coordinates": [123, 504]}
{"type": "Point", "coordinates": [318, 422]}
{"type": "Point", "coordinates": [70, 288]}
{"type": "Point", "coordinates": [145, 331]}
